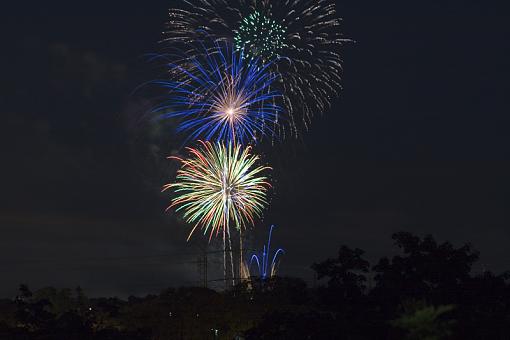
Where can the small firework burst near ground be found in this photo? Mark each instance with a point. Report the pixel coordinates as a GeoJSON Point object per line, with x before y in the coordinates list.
{"type": "Point", "coordinates": [219, 96]}
{"type": "Point", "coordinates": [220, 185]}
{"type": "Point", "coordinates": [266, 268]}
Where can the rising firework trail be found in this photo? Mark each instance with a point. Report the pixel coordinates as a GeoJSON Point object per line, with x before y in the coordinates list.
{"type": "Point", "coordinates": [301, 38]}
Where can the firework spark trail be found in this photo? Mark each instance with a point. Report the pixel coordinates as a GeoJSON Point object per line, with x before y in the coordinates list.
{"type": "Point", "coordinates": [267, 45]}
{"type": "Point", "coordinates": [221, 96]}
{"type": "Point", "coordinates": [264, 258]}
{"type": "Point", "coordinates": [217, 185]}
{"type": "Point", "coordinates": [302, 39]}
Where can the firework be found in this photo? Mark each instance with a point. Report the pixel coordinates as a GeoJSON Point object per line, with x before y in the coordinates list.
{"type": "Point", "coordinates": [265, 270]}
{"type": "Point", "coordinates": [219, 96]}
{"type": "Point", "coordinates": [220, 185]}
{"type": "Point", "coordinates": [260, 37]}
{"type": "Point", "coordinates": [301, 38]}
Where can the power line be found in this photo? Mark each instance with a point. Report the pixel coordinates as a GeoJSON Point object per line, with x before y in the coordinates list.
{"type": "Point", "coordinates": [102, 259]}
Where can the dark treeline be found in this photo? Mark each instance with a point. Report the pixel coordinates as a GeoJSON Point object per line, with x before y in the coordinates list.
{"type": "Point", "coordinates": [428, 291]}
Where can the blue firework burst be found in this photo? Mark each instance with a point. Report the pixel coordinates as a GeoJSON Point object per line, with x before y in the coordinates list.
{"type": "Point", "coordinates": [221, 95]}
{"type": "Point", "coordinates": [265, 270]}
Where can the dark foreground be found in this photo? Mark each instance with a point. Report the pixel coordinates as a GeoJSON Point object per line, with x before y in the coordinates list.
{"type": "Point", "coordinates": [426, 292]}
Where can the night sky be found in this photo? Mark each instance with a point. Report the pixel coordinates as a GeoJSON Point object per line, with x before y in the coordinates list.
{"type": "Point", "coordinates": [417, 142]}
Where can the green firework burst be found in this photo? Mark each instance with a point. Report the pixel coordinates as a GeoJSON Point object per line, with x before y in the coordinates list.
{"type": "Point", "coordinates": [220, 184]}
{"type": "Point", "coordinates": [260, 37]}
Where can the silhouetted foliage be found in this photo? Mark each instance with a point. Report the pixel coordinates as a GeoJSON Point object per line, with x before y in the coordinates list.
{"type": "Point", "coordinates": [294, 324]}
{"type": "Point", "coordinates": [345, 274]}
{"type": "Point", "coordinates": [427, 291]}
{"type": "Point", "coordinates": [426, 270]}
{"type": "Point", "coordinates": [422, 322]}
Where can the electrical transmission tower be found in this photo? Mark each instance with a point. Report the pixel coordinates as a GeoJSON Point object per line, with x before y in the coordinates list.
{"type": "Point", "coordinates": [202, 267]}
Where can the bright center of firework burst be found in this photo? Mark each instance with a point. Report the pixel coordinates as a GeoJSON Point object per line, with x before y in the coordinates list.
{"type": "Point", "coordinates": [230, 112]}
{"type": "Point", "coordinates": [218, 185]}
{"type": "Point", "coordinates": [260, 37]}
{"type": "Point", "coordinates": [231, 106]}
{"type": "Point", "coordinates": [226, 187]}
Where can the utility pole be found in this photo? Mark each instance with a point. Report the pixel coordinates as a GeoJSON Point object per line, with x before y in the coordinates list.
{"type": "Point", "coordinates": [204, 277]}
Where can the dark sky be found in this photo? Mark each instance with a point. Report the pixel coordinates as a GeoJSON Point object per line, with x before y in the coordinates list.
{"type": "Point", "coordinates": [417, 142]}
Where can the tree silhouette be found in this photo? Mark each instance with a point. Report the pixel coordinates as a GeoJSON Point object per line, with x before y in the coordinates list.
{"type": "Point", "coordinates": [346, 273]}
{"type": "Point", "coordinates": [425, 270]}
{"type": "Point", "coordinates": [426, 291]}
{"type": "Point", "coordinates": [345, 290]}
